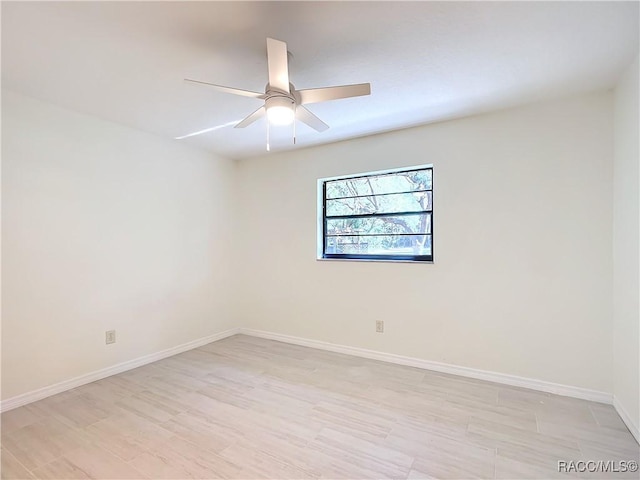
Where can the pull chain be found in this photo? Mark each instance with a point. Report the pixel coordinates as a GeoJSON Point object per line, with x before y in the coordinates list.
{"type": "Point", "coordinates": [268, 148]}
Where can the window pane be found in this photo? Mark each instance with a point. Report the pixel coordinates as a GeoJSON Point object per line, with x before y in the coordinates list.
{"type": "Point", "coordinates": [377, 184]}
{"type": "Point", "coordinates": [379, 245]}
{"type": "Point", "coordinates": [388, 224]}
{"type": "Point", "coordinates": [397, 202]}
{"type": "Point", "coordinates": [379, 215]}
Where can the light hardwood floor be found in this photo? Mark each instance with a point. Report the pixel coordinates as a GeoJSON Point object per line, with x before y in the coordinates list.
{"type": "Point", "coordinates": [247, 408]}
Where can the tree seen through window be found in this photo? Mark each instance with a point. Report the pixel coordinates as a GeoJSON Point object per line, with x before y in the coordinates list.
{"type": "Point", "coordinates": [379, 216]}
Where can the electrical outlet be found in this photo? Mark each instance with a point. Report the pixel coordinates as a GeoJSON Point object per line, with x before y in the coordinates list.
{"type": "Point", "coordinates": [110, 336]}
{"type": "Point", "coordinates": [379, 326]}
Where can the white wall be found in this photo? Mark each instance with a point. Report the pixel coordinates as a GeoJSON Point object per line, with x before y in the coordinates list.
{"type": "Point", "coordinates": [626, 241]}
{"type": "Point", "coordinates": [105, 228]}
{"type": "Point", "coordinates": [522, 280]}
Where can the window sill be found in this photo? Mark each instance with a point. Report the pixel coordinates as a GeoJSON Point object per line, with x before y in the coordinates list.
{"type": "Point", "coordinates": [370, 260]}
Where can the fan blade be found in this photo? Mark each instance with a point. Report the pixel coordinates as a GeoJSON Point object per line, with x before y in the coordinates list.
{"type": "Point", "coordinates": [259, 113]}
{"type": "Point", "coordinates": [235, 91]}
{"type": "Point", "coordinates": [315, 95]}
{"type": "Point", "coordinates": [310, 119]}
{"type": "Point", "coordinates": [206, 130]}
{"type": "Point", "coordinates": [278, 64]}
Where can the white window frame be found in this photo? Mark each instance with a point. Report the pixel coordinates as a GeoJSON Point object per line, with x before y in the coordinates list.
{"type": "Point", "coordinates": [320, 215]}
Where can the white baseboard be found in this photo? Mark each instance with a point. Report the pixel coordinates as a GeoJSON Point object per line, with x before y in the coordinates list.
{"type": "Point", "coordinates": [513, 380]}
{"type": "Point", "coordinates": [39, 394]}
{"type": "Point", "coordinates": [626, 418]}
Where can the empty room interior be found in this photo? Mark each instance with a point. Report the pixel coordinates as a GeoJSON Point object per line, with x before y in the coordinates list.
{"type": "Point", "coordinates": [320, 240]}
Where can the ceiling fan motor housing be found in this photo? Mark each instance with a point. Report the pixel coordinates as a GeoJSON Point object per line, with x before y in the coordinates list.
{"type": "Point", "coordinates": [279, 101]}
{"type": "Point", "coordinates": [271, 92]}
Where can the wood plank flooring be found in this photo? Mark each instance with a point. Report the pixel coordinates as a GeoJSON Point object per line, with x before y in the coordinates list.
{"type": "Point", "coordinates": [249, 408]}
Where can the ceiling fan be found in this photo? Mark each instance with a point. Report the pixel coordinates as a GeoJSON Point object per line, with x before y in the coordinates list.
{"type": "Point", "coordinates": [283, 104]}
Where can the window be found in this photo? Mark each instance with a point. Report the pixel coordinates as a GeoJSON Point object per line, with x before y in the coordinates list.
{"type": "Point", "coordinates": [378, 216]}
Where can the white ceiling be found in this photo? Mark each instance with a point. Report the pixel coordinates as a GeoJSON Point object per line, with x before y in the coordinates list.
{"type": "Point", "coordinates": [426, 61]}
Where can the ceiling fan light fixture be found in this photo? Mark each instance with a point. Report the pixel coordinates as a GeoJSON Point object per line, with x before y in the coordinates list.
{"type": "Point", "coordinates": [283, 104]}
{"type": "Point", "coordinates": [280, 111]}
